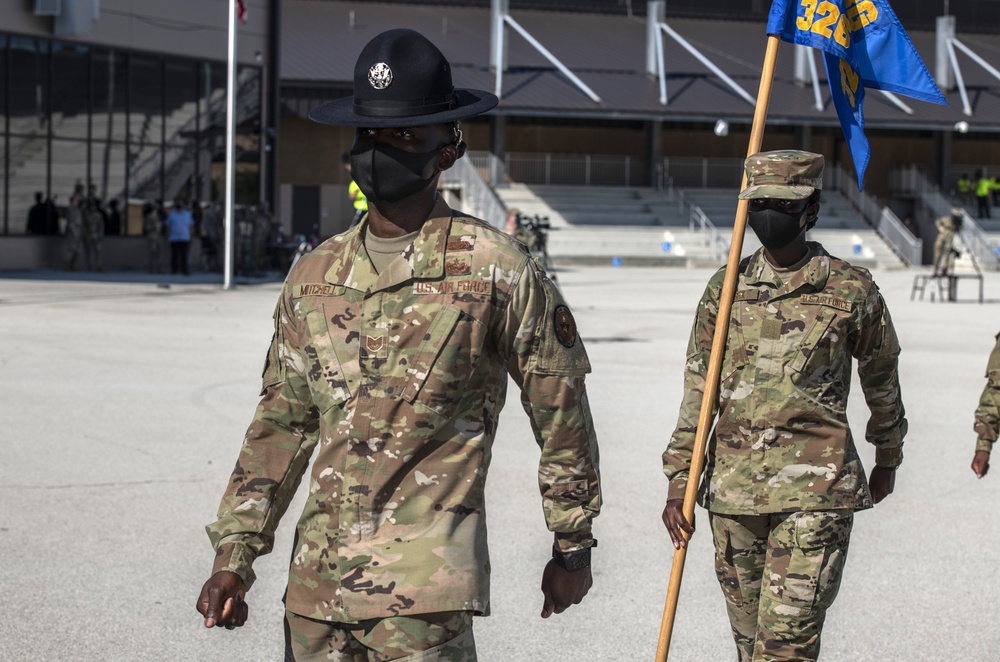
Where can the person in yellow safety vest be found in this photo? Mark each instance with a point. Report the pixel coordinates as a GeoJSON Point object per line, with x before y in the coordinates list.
{"type": "Point", "coordinates": [964, 189]}
{"type": "Point", "coordinates": [359, 200]}
{"type": "Point", "coordinates": [983, 187]}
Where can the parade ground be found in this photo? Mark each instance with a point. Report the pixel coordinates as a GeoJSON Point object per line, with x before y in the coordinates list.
{"type": "Point", "coordinates": [125, 399]}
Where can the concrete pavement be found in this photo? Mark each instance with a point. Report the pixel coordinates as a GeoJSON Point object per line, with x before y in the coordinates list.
{"type": "Point", "coordinates": [124, 405]}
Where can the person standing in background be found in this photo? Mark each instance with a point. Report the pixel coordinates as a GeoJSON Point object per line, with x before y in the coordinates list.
{"type": "Point", "coordinates": [114, 222]}
{"type": "Point", "coordinates": [983, 187]}
{"type": "Point", "coordinates": [946, 226]}
{"type": "Point", "coordinates": [179, 223]}
{"type": "Point", "coordinates": [152, 229]}
{"type": "Point", "coordinates": [358, 199]}
{"type": "Point", "coordinates": [93, 237]}
{"type": "Point", "coordinates": [74, 231]}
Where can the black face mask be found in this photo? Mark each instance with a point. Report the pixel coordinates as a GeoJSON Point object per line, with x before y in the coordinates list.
{"type": "Point", "coordinates": [389, 174]}
{"type": "Point", "coordinates": [775, 229]}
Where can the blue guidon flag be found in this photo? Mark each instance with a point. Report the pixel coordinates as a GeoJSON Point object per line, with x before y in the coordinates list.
{"type": "Point", "coordinates": [864, 45]}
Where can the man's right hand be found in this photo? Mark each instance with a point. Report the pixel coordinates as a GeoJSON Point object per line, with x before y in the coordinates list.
{"type": "Point", "coordinates": [222, 601]}
{"type": "Point", "coordinates": [674, 520]}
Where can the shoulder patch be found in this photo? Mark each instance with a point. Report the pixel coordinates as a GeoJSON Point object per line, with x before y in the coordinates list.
{"type": "Point", "coordinates": [558, 348]}
{"type": "Point", "coordinates": [565, 325]}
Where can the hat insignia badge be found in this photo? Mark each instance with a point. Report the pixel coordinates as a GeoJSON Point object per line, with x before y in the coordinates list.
{"type": "Point", "coordinates": [380, 76]}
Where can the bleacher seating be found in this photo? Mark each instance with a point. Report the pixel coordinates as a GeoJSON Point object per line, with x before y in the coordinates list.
{"type": "Point", "coordinates": [640, 225]}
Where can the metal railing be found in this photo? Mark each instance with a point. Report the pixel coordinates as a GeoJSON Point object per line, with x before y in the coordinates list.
{"type": "Point", "coordinates": [710, 235]}
{"type": "Point", "coordinates": [699, 221]}
{"type": "Point", "coordinates": [575, 169]}
{"type": "Point", "coordinates": [911, 181]}
{"type": "Point", "coordinates": [686, 172]}
{"type": "Point", "coordinates": [490, 168]}
{"type": "Point", "coordinates": [909, 248]}
{"type": "Point", "coordinates": [885, 223]}
{"type": "Point", "coordinates": [477, 198]}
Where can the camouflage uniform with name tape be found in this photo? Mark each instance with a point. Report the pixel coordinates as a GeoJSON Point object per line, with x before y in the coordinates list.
{"type": "Point", "coordinates": [783, 477]}
{"type": "Point", "coordinates": [781, 445]}
{"type": "Point", "coordinates": [393, 384]}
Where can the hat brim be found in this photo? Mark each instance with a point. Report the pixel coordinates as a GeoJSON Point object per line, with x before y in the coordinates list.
{"type": "Point", "coordinates": [776, 192]}
{"type": "Point", "coordinates": [341, 112]}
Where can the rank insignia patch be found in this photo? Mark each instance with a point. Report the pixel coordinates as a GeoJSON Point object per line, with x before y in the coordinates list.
{"type": "Point", "coordinates": [565, 326]}
{"type": "Point", "coordinates": [458, 267]}
{"type": "Point", "coordinates": [374, 344]}
{"type": "Point", "coordinates": [464, 243]}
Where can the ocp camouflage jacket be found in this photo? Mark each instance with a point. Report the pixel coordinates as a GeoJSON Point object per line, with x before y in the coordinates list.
{"type": "Point", "coordinates": [781, 441]}
{"type": "Point", "coordinates": [988, 411]}
{"type": "Point", "coordinates": [394, 381]}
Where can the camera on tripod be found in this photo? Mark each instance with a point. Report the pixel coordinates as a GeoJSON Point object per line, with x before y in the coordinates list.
{"type": "Point", "coordinates": [536, 226]}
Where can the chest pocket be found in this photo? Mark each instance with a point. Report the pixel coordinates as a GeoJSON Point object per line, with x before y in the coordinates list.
{"type": "Point", "coordinates": [329, 355]}
{"type": "Point", "coordinates": [733, 380]}
{"type": "Point", "coordinates": [820, 366]}
{"type": "Point", "coordinates": [445, 361]}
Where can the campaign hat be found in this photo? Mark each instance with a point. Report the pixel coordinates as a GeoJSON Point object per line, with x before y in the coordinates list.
{"type": "Point", "coordinates": [401, 79]}
{"type": "Point", "coordinates": [784, 174]}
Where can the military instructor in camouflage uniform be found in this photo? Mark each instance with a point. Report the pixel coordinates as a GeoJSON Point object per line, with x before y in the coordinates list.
{"type": "Point", "coordinates": [389, 368]}
{"type": "Point", "coordinates": [783, 477]}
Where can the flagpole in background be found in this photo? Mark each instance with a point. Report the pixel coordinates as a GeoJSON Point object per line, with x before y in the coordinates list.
{"type": "Point", "coordinates": [718, 349]}
{"type": "Point", "coordinates": [227, 277]}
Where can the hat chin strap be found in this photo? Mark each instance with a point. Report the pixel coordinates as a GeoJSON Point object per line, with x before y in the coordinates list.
{"type": "Point", "coordinates": [388, 108]}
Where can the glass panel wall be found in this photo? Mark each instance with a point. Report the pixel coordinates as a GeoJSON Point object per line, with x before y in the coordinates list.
{"type": "Point", "coordinates": [247, 187]}
{"type": "Point", "coordinates": [145, 128]}
{"type": "Point", "coordinates": [3, 183]}
{"type": "Point", "coordinates": [3, 133]}
{"type": "Point", "coordinates": [183, 123]}
{"type": "Point", "coordinates": [28, 87]}
{"type": "Point", "coordinates": [109, 105]}
{"type": "Point", "coordinates": [107, 172]}
{"type": "Point", "coordinates": [27, 174]}
{"type": "Point", "coordinates": [70, 90]}
{"type": "Point", "coordinates": [3, 86]}
{"type": "Point", "coordinates": [131, 127]}
{"type": "Point", "coordinates": [28, 103]}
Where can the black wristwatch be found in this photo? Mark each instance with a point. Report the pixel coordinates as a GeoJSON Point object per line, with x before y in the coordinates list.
{"type": "Point", "coordinates": [573, 561]}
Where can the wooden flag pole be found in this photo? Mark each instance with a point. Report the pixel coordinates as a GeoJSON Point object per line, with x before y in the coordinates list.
{"type": "Point", "coordinates": [718, 348]}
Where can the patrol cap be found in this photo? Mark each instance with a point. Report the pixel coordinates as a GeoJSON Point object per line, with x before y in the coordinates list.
{"type": "Point", "coordinates": [401, 79]}
{"type": "Point", "coordinates": [784, 174]}
{"type": "Point", "coordinates": [956, 212]}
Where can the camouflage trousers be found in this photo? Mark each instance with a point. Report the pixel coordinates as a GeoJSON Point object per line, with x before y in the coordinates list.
{"type": "Point", "coordinates": [780, 573]}
{"type": "Point", "coordinates": [943, 259]}
{"type": "Point", "coordinates": [74, 249]}
{"type": "Point", "coordinates": [441, 637]}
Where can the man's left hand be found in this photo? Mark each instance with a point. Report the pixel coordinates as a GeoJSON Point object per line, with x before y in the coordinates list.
{"type": "Point", "coordinates": [881, 482]}
{"type": "Point", "coordinates": [562, 588]}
